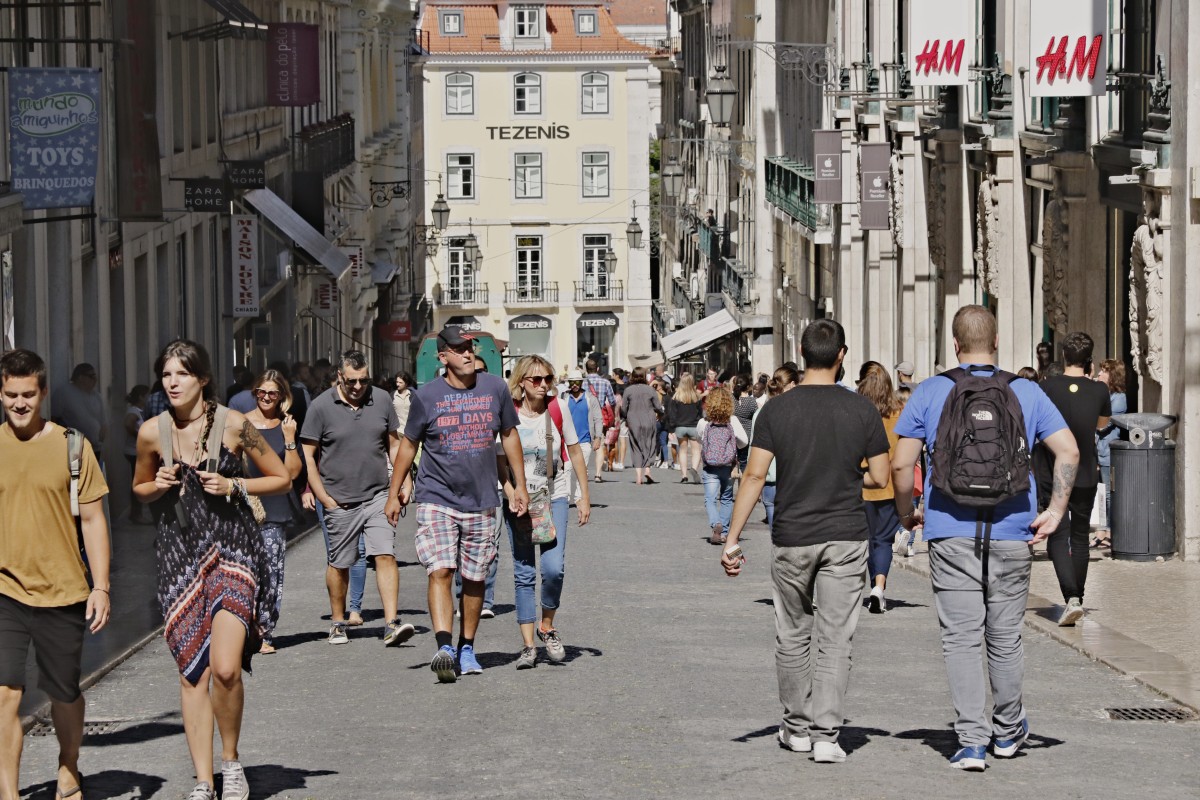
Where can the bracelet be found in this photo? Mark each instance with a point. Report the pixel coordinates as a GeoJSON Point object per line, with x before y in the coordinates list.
{"type": "Point", "coordinates": [98, 589]}
{"type": "Point", "coordinates": [1057, 517]}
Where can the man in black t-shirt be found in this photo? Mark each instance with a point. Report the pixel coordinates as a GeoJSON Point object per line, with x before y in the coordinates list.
{"type": "Point", "coordinates": [1084, 404]}
{"type": "Point", "coordinates": [818, 434]}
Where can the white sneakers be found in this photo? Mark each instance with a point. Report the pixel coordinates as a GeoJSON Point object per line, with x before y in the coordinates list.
{"type": "Point", "coordinates": [1072, 613]}
{"type": "Point", "coordinates": [797, 744]}
{"type": "Point", "coordinates": [875, 602]}
{"type": "Point", "coordinates": [828, 753]}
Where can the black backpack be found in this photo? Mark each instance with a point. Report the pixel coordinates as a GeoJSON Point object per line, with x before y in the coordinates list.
{"type": "Point", "coordinates": [981, 456]}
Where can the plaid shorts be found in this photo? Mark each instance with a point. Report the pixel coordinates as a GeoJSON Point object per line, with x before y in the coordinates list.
{"type": "Point", "coordinates": [450, 539]}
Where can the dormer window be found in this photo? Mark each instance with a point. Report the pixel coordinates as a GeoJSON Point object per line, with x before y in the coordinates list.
{"type": "Point", "coordinates": [452, 23]}
{"type": "Point", "coordinates": [527, 93]}
{"type": "Point", "coordinates": [585, 23]}
{"type": "Point", "coordinates": [527, 23]}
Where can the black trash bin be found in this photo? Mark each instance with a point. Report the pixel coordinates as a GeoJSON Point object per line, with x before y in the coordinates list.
{"type": "Point", "coordinates": [1143, 480]}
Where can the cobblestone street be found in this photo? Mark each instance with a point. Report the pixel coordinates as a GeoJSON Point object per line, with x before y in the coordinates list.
{"type": "Point", "coordinates": [668, 691]}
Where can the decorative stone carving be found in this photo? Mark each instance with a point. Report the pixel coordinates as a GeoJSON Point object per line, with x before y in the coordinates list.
{"type": "Point", "coordinates": [1055, 239]}
{"type": "Point", "coordinates": [896, 206]}
{"type": "Point", "coordinates": [987, 232]}
{"type": "Point", "coordinates": [1146, 290]}
{"type": "Point", "coordinates": [935, 212]}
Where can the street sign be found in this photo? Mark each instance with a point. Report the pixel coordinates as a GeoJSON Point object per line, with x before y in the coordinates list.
{"type": "Point", "coordinates": [244, 242]}
{"type": "Point", "coordinates": [246, 174]}
{"type": "Point", "coordinates": [205, 194]}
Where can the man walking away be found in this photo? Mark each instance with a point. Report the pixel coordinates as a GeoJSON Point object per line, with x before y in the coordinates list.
{"type": "Point", "coordinates": [599, 388]}
{"type": "Point", "coordinates": [44, 595]}
{"type": "Point", "coordinates": [1086, 406]}
{"type": "Point", "coordinates": [819, 536]}
{"type": "Point", "coordinates": [79, 405]}
{"type": "Point", "coordinates": [456, 418]}
{"type": "Point", "coordinates": [979, 555]}
{"type": "Point", "coordinates": [350, 435]}
{"type": "Point", "coordinates": [586, 414]}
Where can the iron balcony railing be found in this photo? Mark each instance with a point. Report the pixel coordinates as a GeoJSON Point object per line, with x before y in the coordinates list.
{"type": "Point", "coordinates": [466, 294]}
{"type": "Point", "coordinates": [521, 293]}
{"type": "Point", "coordinates": [790, 189]}
{"type": "Point", "coordinates": [593, 291]}
{"type": "Point", "coordinates": [658, 316]}
{"type": "Point", "coordinates": [736, 282]}
{"type": "Point", "coordinates": [326, 147]}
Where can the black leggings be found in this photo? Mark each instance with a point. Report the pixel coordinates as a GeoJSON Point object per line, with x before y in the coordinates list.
{"type": "Point", "coordinates": [1068, 545]}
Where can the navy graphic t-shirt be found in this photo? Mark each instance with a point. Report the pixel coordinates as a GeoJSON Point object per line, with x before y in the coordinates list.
{"type": "Point", "coordinates": [458, 429]}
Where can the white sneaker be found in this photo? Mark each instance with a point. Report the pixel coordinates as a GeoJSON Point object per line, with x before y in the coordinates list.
{"type": "Point", "coordinates": [875, 602]}
{"type": "Point", "coordinates": [618, 467]}
{"type": "Point", "coordinates": [903, 541]}
{"type": "Point", "coordinates": [797, 744]}
{"type": "Point", "coordinates": [233, 782]}
{"type": "Point", "coordinates": [828, 753]}
{"type": "Point", "coordinates": [1072, 613]}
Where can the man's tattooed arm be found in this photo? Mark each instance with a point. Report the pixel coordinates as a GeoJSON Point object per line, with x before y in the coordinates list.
{"type": "Point", "coordinates": [251, 439]}
{"type": "Point", "coordinates": [1064, 481]}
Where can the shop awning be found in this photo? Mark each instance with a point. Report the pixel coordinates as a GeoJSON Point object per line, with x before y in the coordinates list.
{"type": "Point", "coordinates": [281, 215]}
{"type": "Point", "coordinates": [382, 272]}
{"type": "Point", "coordinates": [597, 319]}
{"type": "Point", "coordinates": [698, 335]}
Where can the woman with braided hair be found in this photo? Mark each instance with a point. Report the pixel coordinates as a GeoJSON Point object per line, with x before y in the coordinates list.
{"type": "Point", "coordinates": [211, 559]}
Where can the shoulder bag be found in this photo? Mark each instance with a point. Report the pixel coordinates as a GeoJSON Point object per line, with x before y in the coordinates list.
{"type": "Point", "coordinates": [536, 526]}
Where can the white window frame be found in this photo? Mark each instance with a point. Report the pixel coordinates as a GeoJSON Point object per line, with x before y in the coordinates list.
{"type": "Point", "coordinates": [460, 89]}
{"type": "Point", "coordinates": [595, 22]}
{"type": "Point", "coordinates": [595, 266]}
{"type": "Point", "coordinates": [460, 273]}
{"type": "Point", "coordinates": [527, 92]}
{"type": "Point", "coordinates": [594, 93]}
{"type": "Point", "coordinates": [591, 164]}
{"type": "Point", "coordinates": [460, 173]}
{"type": "Point", "coordinates": [527, 22]}
{"type": "Point", "coordinates": [527, 176]}
{"type": "Point", "coordinates": [445, 16]}
{"type": "Point", "coordinates": [529, 264]}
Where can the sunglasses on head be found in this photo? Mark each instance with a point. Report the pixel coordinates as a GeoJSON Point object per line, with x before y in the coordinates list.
{"type": "Point", "coordinates": [356, 381]}
{"type": "Point", "coordinates": [266, 394]}
{"type": "Point", "coordinates": [536, 380]}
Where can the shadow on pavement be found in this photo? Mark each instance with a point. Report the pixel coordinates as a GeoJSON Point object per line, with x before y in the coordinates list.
{"type": "Point", "coordinates": [575, 652]}
{"type": "Point", "coordinates": [943, 740]}
{"type": "Point", "coordinates": [852, 738]}
{"type": "Point", "coordinates": [761, 733]}
{"type": "Point", "coordinates": [105, 785]}
{"type": "Point", "coordinates": [135, 734]}
{"type": "Point", "coordinates": [283, 642]}
{"type": "Point", "coordinates": [268, 780]}
{"type": "Point", "coordinates": [891, 603]}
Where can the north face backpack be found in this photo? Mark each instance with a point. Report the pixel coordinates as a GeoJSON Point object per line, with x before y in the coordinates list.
{"type": "Point", "coordinates": [718, 448]}
{"type": "Point", "coordinates": [981, 456]}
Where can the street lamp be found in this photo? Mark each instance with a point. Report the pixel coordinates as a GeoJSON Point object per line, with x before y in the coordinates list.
{"type": "Point", "coordinates": [478, 260]}
{"type": "Point", "coordinates": [720, 96]}
{"type": "Point", "coordinates": [471, 248]}
{"type": "Point", "coordinates": [610, 259]}
{"type": "Point", "coordinates": [672, 178]}
{"type": "Point", "coordinates": [633, 232]}
{"type": "Point", "coordinates": [440, 212]}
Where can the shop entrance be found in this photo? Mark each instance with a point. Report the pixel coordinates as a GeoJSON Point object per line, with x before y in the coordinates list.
{"type": "Point", "coordinates": [597, 336]}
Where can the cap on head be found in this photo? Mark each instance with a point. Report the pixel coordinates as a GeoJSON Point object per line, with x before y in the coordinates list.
{"type": "Point", "coordinates": [451, 336]}
{"type": "Point", "coordinates": [905, 368]}
{"type": "Point", "coordinates": [575, 375]}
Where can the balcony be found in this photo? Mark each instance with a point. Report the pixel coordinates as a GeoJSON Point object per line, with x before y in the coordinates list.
{"type": "Point", "coordinates": [736, 282]}
{"type": "Point", "coordinates": [659, 316]}
{"type": "Point", "coordinates": [474, 295]}
{"type": "Point", "coordinates": [599, 292]}
{"type": "Point", "coordinates": [531, 294]}
{"type": "Point", "coordinates": [710, 242]}
{"type": "Point", "coordinates": [326, 147]}
{"type": "Point", "coordinates": [680, 297]}
{"type": "Point", "coordinates": [790, 189]}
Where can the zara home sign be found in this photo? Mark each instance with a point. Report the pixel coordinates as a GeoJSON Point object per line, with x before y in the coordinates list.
{"type": "Point", "coordinates": [938, 35]}
{"type": "Point", "coordinates": [1067, 48]}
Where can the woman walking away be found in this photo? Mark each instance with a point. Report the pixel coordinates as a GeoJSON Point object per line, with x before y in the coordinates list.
{"type": "Point", "coordinates": [276, 425]}
{"type": "Point", "coordinates": [135, 408]}
{"type": "Point", "coordinates": [785, 379]}
{"type": "Point", "coordinates": [210, 555]}
{"type": "Point", "coordinates": [876, 386]}
{"type": "Point", "coordinates": [641, 409]}
{"type": "Point", "coordinates": [662, 458]}
{"type": "Point", "coordinates": [540, 418]}
{"type": "Point", "coordinates": [1112, 373]}
{"type": "Point", "coordinates": [683, 411]}
{"type": "Point", "coordinates": [744, 409]}
{"type": "Point", "coordinates": [720, 437]}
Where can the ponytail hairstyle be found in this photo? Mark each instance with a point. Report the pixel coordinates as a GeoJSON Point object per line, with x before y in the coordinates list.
{"type": "Point", "coordinates": [785, 376]}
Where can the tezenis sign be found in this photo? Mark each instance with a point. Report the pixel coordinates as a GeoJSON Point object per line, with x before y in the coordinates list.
{"type": "Point", "coordinates": [525, 132]}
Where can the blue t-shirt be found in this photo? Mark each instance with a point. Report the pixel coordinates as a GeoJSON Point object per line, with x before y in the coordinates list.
{"type": "Point", "coordinates": [458, 429]}
{"type": "Point", "coordinates": [945, 518]}
{"type": "Point", "coordinates": [579, 415]}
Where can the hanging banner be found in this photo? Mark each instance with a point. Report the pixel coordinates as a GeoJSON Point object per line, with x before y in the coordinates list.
{"type": "Point", "coordinates": [874, 193]}
{"type": "Point", "coordinates": [938, 32]}
{"type": "Point", "coordinates": [135, 89]}
{"type": "Point", "coordinates": [1068, 54]}
{"type": "Point", "coordinates": [244, 236]}
{"type": "Point", "coordinates": [325, 298]}
{"type": "Point", "coordinates": [827, 169]}
{"type": "Point", "coordinates": [54, 135]}
{"type": "Point", "coordinates": [399, 330]}
{"type": "Point", "coordinates": [293, 64]}
{"type": "Point", "coordinates": [205, 194]}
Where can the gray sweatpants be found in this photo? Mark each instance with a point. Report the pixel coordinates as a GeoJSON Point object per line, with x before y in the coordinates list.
{"type": "Point", "coordinates": [818, 592]}
{"type": "Point", "coordinates": [973, 612]}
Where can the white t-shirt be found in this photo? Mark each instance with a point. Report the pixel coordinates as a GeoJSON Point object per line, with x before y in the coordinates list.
{"type": "Point", "coordinates": [533, 442]}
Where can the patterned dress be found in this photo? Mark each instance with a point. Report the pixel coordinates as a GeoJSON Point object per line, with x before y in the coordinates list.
{"type": "Point", "coordinates": [215, 563]}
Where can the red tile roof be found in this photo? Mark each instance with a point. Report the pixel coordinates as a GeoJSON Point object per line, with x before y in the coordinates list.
{"type": "Point", "coordinates": [481, 33]}
{"type": "Point", "coordinates": [638, 12]}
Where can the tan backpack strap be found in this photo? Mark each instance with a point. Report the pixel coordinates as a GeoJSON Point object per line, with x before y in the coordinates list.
{"type": "Point", "coordinates": [164, 439]}
{"type": "Point", "coordinates": [212, 447]}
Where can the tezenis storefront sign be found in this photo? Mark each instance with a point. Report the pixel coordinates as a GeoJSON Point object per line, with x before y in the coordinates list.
{"type": "Point", "coordinates": [526, 132]}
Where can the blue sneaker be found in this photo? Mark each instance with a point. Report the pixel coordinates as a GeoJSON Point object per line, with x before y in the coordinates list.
{"type": "Point", "coordinates": [1007, 748]}
{"type": "Point", "coordinates": [443, 664]}
{"type": "Point", "coordinates": [972, 759]}
{"type": "Point", "coordinates": [467, 663]}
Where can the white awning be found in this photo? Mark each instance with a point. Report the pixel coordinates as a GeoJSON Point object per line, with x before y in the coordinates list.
{"type": "Point", "coordinates": [383, 271]}
{"type": "Point", "coordinates": [282, 216]}
{"type": "Point", "coordinates": [698, 334]}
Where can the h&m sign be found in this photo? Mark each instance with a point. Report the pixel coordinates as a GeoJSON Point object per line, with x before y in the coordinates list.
{"type": "Point", "coordinates": [1067, 48]}
{"type": "Point", "coordinates": [938, 33]}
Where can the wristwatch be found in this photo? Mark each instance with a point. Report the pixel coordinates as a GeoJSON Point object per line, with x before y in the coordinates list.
{"type": "Point", "coordinates": [289, 446]}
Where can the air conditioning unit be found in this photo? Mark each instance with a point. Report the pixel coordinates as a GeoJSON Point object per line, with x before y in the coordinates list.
{"type": "Point", "coordinates": [677, 271]}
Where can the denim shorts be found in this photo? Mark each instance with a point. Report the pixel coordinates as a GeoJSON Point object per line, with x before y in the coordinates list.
{"type": "Point", "coordinates": [689, 433]}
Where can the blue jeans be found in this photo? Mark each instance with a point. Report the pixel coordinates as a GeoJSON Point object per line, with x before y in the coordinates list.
{"type": "Point", "coordinates": [768, 501]}
{"type": "Point", "coordinates": [358, 572]}
{"type": "Point", "coordinates": [664, 443]}
{"type": "Point", "coordinates": [718, 486]}
{"type": "Point", "coordinates": [883, 522]}
{"type": "Point", "coordinates": [553, 562]}
{"type": "Point", "coordinates": [489, 591]}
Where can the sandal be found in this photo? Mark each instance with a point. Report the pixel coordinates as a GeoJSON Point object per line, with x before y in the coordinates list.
{"type": "Point", "coordinates": [59, 793]}
{"type": "Point", "coordinates": [599, 479]}
{"type": "Point", "coordinates": [266, 648]}
{"type": "Point", "coordinates": [648, 479]}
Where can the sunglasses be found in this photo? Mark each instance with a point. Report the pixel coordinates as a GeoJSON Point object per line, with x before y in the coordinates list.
{"type": "Point", "coordinates": [266, 395]}
{"type": "Point", "coordinates": [356, 381]}
{"type": "Point", "coordinates": [536, 380]}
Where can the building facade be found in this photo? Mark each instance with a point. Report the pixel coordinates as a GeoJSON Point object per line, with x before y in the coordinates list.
{"type": "Point", "coordinates": [537, 132]}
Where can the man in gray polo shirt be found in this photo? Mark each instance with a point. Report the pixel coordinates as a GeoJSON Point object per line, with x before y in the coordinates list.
{"type": "Point", "coordinates": [350, 434]}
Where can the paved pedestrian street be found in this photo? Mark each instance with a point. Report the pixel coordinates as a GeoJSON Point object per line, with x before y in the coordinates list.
{"type": "Point", "coordinates": [668, 692]}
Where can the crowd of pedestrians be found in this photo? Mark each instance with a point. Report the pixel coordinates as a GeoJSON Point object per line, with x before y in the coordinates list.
{"type": "Point", "coordinates": [845, 475]}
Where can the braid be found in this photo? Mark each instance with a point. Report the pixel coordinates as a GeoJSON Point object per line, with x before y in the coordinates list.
{"type": "Point", "coordinates": [210, 413]}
